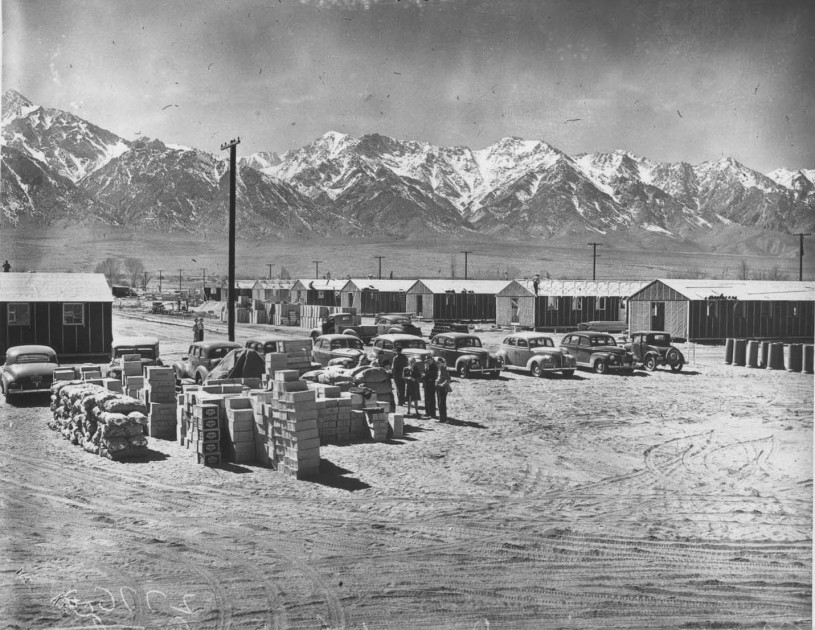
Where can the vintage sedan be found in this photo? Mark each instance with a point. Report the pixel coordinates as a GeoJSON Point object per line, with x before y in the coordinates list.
{"type": "Point", "coordinates": [28, 370]}
{"type": "Point", "coordinates": [536, 353]}
{"type": "Point", "coordinates": [201, 358]}
{"type": "Point", "coordinates": [146, 347]}
{"type": "Point", "coordinates": [337, 349]}
{"type": "Point", "coordinates": [274, 343]}
{"type": "Point", "coordinates": [411, 346]}
{"type": "Point", "coordinates": [395, 323]}
{"type": "Point", "coordinates": [653, 348]}
{"type": "Point", "coordinates": [465, 353]}
{"type": "Point", "coordinates": [598, 351]}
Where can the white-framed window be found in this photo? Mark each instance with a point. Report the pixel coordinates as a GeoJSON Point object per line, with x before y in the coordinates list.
{"type": "Point", "coordinates": [19, 314]}
{"type": "Point", "coordinates": [320, 295]}
{"type": "Point", "coordinates": [601, 303]}
{"type": "Point", "coordinates": [552, 302]}
{"type": "Point", "coordinates": [577, 303]}
{"type": "Point", "coordinates": [73, 314]}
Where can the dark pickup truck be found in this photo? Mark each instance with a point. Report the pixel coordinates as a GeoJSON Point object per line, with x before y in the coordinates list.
{"type": "Point", "coordinates": [345, 323]}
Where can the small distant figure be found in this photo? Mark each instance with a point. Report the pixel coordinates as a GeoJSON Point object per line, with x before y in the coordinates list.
{"type": "Point", "coordinates": [536, 282]}
{"type": "Point", "coordinates": [195, 330]}
{"type": "Point", "coordinates": [442, 388]}
{"type": "Point", "coordinates": [431, 372]}
{"type": "Point", "coordinates": [391, 275]}
{"type": "Point", "coordinates": [412, 376]}
{"type": "Point", "coordinates": [6, 266]}
{"type": "Point", "coordinates": [506, 275]}
{"type": "Point", "coordinates": [200, 329]}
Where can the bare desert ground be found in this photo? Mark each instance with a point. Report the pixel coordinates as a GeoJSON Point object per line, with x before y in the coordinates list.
{"type": "Point", "coordinates": [656, 500]}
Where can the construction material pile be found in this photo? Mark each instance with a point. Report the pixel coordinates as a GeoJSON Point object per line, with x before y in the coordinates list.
{"type": "Point", "coordinates": [102, 422]}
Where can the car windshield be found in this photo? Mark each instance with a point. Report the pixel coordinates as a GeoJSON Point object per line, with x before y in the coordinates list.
{"type": "Point", "coordinates": [540, 342]}
{"type": "Point", "coordinates": [146, 352]}
{"type": "Point", "coordinates": [346, 343]}
{"type": "Point", "coordinates": [659, 340]}
{"type": "Point", "coordinates": [603, 340]}
{"type": "Point", "coordinates": [33, 357]}
{"type": "Point", "coordinates": [413, 343]}
{"type": "Point", "coordinates": [468, 342]}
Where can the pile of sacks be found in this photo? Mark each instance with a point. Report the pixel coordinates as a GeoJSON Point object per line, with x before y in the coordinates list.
{"type": "Point", "coordinates": [102, 422]}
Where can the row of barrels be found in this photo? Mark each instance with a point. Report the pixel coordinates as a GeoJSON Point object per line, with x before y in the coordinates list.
{"type": "Point", "coordinates": [773, 355]}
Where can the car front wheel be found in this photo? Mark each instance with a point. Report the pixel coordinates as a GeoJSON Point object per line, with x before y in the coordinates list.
{"type": "Point", "coordinates": [600, 366]}
{"type": "Point", "coordinates": [650, 363]}
{"type": "Point", "coordinates": [463, 370]}
{"type": "Point", "coordinates": [676, 367]}
{"type": "Point", "coordinates": [536, 370]}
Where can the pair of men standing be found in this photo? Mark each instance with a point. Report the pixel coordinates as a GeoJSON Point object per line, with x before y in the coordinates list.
{"type": "Point", "coordinates": [435, 379]}
{"type": "Point", "coordinates": [198, 329]}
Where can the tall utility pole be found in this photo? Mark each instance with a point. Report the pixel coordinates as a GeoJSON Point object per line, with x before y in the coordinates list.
{"type": "Point", "coordinates": [316, 268]}
{"type": "Point", "coordinates": [232, 145]}
{"type": "Point", "coordinates": [270, 265]}
{"type": "Point", "coordinates": [159, 281]}
{"type": "Point", "coordinates": [380, 265]}
{"type": "Point", "coordinates": [204, 282]}
{"type": "Point", "coordinates": [594, 260]}
{"type": "Point", "coordinates": [144, 284]}
{"type": "Point", "coordinates": [465, 252]}
{"type": "Point", "coordinates": [801, 235]}
{"type": "Point", "coordinates": [179, 279]}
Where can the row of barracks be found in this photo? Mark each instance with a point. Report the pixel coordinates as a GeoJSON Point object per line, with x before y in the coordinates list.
{"type": "Point", "coordinates": [72, 313]}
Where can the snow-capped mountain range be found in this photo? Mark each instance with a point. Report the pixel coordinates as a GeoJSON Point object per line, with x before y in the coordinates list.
{"type": "Point", "coordinates": [57, 166]}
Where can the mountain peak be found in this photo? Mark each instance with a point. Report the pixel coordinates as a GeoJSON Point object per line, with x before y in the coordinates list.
{"type": "Point", "coordinates": [15, 105]}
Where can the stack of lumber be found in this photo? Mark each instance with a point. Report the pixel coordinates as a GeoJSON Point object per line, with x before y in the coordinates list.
{"type": "Point", "coordinates": [100, 421]}
{"type": "Point", "coordinates": [241, 314]}
{"type": "Point", "coordinates": [287, 315]}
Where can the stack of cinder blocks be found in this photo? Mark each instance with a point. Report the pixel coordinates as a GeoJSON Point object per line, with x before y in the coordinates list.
{"type": "Point", "coordinates": [159, 394]}
{"type": "Point", "coordinates": [239, 439]}
{"type": "Point", "coordinates": [296, 437]}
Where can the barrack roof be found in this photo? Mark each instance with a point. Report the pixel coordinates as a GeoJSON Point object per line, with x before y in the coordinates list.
{"type": "Point", "coordinates": [576, 288]}
{"type": "Point", "coordinates": [378, 285]}
{"type": "Point", "coordinates": [320, 284]}
{"type": "Point", "coordinates": [441, 285]}
{"type": "Point", "coordinates": [747, 290]}
{"type": "Point", "coordinates": [54, 287]}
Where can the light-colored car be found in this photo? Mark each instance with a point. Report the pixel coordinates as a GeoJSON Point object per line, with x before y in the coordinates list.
{"type": "Point", "coordinates": [536, 353]}
{"type": "Point", "coordinates": [28, 370]}
{"type": "Point", "coordinates": [337, 349]}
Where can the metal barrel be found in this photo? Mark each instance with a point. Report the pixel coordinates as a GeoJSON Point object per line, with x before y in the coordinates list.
{"type": "Point", "coordinates": [775, 360]}
{"type": "Point", "coordinates": [728, 351]}
{"type": "Point", "coordinates": [740, 352]}
{"type": "Point", "coordinates": [752, 354]}
{"type": "Point", "coordinates": [795, 357]}
{"type": "Point", "coordinates": [763, 353]}
{"type": "Point", "coordinates": [808, 351]}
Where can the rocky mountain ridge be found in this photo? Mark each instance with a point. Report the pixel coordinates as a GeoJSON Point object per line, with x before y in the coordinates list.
{"type": "Point", "coordinates": [57, 166]}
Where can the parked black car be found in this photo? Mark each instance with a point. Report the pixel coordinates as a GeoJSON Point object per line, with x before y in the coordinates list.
{"type": "Point", "coordinates": [465, 354]}
{"type": "Point", "coordinates": [598, 351]}
{"type": "Point", "coordinates": [653, 348]}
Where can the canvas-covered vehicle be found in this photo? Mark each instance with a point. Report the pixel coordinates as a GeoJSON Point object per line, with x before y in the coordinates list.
{"type": "Point", "coordinates": [536, 353]}
{"type": "Point", "coordinates": [411, 346]}
{"type": "Point", "coordinates": [28, 369]}
{"type": "Point", "coordinates": [465, 354]}
{"type": "Point", "coordinates": [653, 348]}
{"type": "Point", "coordinates": [598, 351]}
{"type": "Point", "coordinates": [201, 358]}
{"type": "Point", "coordinates": [334, 349]}
{"type": "Point", "coordinates": [146, 347]}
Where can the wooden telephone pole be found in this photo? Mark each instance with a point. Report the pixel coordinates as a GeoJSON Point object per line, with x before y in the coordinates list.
{"type": "Point", "coordinates": [230, 303]}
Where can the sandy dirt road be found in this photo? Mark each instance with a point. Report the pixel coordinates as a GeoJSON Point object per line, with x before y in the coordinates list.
{"type": "Point", "coordinates": [656, 500]}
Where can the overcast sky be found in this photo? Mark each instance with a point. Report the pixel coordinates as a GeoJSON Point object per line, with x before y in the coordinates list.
{"type": "Point", "coordinates": [670, 80]}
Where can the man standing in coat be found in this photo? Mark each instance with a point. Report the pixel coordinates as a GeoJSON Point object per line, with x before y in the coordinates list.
{"type": "Point", "coordinates": [397, 370]}
{"type": "Point", "coordinates": [431, 372]}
